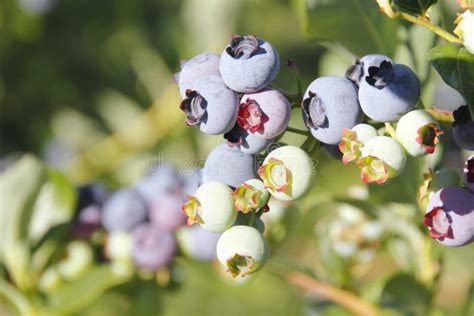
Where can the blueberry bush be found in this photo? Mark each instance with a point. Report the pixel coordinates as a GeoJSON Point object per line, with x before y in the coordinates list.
{"type": "Point", "coordinates": [317, 162]}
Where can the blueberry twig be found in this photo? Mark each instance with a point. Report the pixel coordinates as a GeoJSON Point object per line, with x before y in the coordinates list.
{"type": "Point", "coordinates": [344, 298]}
{"type": "Point", "coordinates": [297, 131]}
{"type": "Point", "coordinates": [252, 218]}
{"type": "Point", "coordinates": [390, 130]}
{"type": "Point", "coordinates": [430, 26]}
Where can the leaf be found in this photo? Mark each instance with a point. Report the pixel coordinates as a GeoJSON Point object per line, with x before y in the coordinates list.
{"type": "Point", "coordinates": [74, 296]}
{"type": "Point", "coordinates": [404, 289]}
{"type": "Point", "coordinates": [54, 205]}
{"type": "Point", "coordinates": [356, 24]}
{"type": "Point", "coordinates": [456, 66]}
{"type": "Point", "coordinates": [418, 7]}
{"type": "Point", "coordinates": [19, 187]}
{"type": "Point", "coordinates": [14, 298]}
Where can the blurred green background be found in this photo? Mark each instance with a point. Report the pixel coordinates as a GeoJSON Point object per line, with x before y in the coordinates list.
{"type": "Point", "coordinates": [87, 86]}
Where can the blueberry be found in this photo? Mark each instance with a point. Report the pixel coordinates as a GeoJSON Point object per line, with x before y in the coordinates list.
{"type": "Point", "coordinates": [248, 64]}
{"type": "Point", "coordinates": [381, 158]}
{"type": "Point", "coordinates": [242, 250]}
{"type": "Point", "coordinates": [250, 196]}
{"type": "Point", "coordinates": [118, 246]}
{"type": "Point", "coordinates": [88, 221]}
{"type": "Point", "coordinates": [202, 65]}
{"type": "Point", "coordinates": [161, 179]}
{"type": "Point", "coordinates": [329, 105]}
{"type": "Point", "coordinates": [463, 128]}
{"type": "Point", "coordinates": [287, 173]}
{"type": "Point", "coordinates": [360, 69]}
{"type": "Point", "coordinates": [264, 114]}
{"type": "Point", "coordinates": [243, 141]}
{"type": "Point", "coordinates": [333, 151]}
{"type": "Point", "coordinates": [228, 165]}
{"type": "Point", "coordinates": [353, 139]}
{"type": "Point", "coordinates": [210, 106]}
{"type": "Point", "coordinates": [468, 173]}
{"type": "Point", "coordinates": [91, 194]}
{"type": "Point", "coordinates": [198, 243]}
{"type": "Point", "coordinates": [212, 207]}
{"type": "Point", "coordinates": [388, 91]}
{"type": "Point", "coordinates": [124, 210]}
{"type": "Point", "coordinates": [191, 179]}
{"type": "Point", "coordinates": [418, 131]}
{"type": "Point", "coordinates": [165, 212]}
{"type": "Point", "coordinates": [152, 248]}
{"type": "Point", "coordinates": [450, 216]}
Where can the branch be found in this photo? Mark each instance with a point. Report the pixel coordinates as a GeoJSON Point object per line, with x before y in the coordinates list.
{"type": "Point", "coordinates": [343, 298]}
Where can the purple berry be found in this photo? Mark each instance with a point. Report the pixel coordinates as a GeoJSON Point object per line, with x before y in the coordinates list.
{"type": "Point", "coordinates": [124, 210]}
{"type": "Point", "coordinates": [264, 114]}
{"type": "Point", "coordinates": [165, 212]}
{"type": "Point", "coordinates": [463, 128]}
{"type": "Point", "coordinates": [91, 194]}
{"type": "Point", "coordinates": [202, 65]}
{"type": "Point", "coordinates": [162, 179]}
{"type": "Point", "coordinates": [248, 64]}
{"type": "Point", "coordinates": [450, 216]}
{"type": "Point", "coordinates": [210, 105]}
{"type": "Point", "coordinates": [388, 91]}
{"type": "Point", "coordinates": [191, 179]}
{"type": "Point", "coordinates": [198, 243]}
{"type": "Point", "coordinates": [229, 166]}
{"type": "Point", "coordinates": [87, 222]}
{"type": "Point", "coordinates": [329, 105]}
{"type": "Point", "coordinates": [360, 69]}
{"type": "Point", "coordinates": [152, 248]}
{"type": "Point", "coordinates": [468, 173]}
{"type": "Point", "coordinates": [247, 143]}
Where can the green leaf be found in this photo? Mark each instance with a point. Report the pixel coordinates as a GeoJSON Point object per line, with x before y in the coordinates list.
{"type": "Point", "coordinates": [15, 299]}
{"type": "Point", "coordinates": [358, 25]}
{"type": "Point", "coordinates": [19, 187]}
{"type": "Point", "coordinates": [415, 7]}
{"type": "Point", "coordinates": [456, 66]}
{"type": "Point", "coordinates": [404, 289]}
{"type": "Point", "coordinates": [74, 296]}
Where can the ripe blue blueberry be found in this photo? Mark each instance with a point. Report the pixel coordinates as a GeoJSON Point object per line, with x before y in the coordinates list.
{"type": "Point", "coordinates": [468, 173]}
{"type": "Point", "coordinates": [210, 106]}
{"type": "Point", "coordinates": [242, 250]}
{"type": "Point", "coordinates": [152, 248]}
{"type": "Point", "coordinates": [463, 128]}
{"type": "Point", "coordinates": [87, 221]}
{"type": "Point", "coordinates": [450, 216]}
{"type": "Point", "coordinates": [360, 69]}
{"type": "Point", "coordinates": [124, 210]}
{"type": "Point", "coordinates": [247, 143]}
{"type": "Point", "coordinates": [329, 105]}
{"type": "Point", "coordinates": [91, 194]}
{"type": "Point", "coordinates": [228, 165]}
{"type": "Point", "coordinates": [248, 64]}
{"type": "Point", "coordinates": [198, 243]}
{"type": "Point", "coordinates": [202, 65]}
{"type": "Point", "coordinates": [388, 91]}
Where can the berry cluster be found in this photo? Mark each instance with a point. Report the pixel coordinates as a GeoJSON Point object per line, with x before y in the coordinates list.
{"type": "Point", "coordinates": [230, 95]}
{"type": "Point", "coordinates": [144, 223]}
{"type": "Point", "coordinates": [450, 211]}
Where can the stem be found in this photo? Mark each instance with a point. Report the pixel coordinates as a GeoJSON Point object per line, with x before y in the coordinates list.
{"type": "Point", "coordinates": [252, 218]}
{"type": "Point", "coordinates": [430, 26]}
{"type": "Point", "coordinates": [390, 130]}
{"type": "Point", "coordinates": [297, 131]}
{"type": "Point", "coordinates": [296, 73]}
{"type": "Point", "coordinates": [346, 299]}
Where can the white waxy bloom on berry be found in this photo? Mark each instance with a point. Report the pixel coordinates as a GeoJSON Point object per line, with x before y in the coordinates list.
{"type": "Point", "coordinates": [212, 207]}
{"type": "Point", "coordinates": [465, 29]}
{"type": "Point", "coordinates": [287, 173]}
{"type": "Point", "coordinates": [242, 250]}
